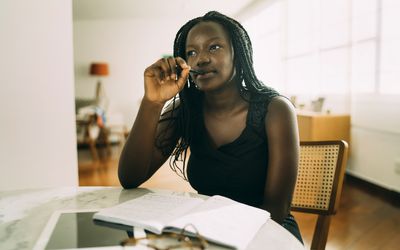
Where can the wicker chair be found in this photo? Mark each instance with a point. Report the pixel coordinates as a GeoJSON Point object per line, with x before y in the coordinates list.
{"type": "Point", "coordinates": [319, 184]}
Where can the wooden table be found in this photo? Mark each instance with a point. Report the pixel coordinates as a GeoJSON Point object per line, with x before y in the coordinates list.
{"type": "Point", "coordinates": [315, 126]}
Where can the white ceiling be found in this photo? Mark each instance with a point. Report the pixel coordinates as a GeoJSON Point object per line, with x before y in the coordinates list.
{"type": "Point", "coordinates": [153, 9]}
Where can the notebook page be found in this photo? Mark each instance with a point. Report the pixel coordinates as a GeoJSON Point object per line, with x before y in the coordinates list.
{"type": "Point", "coordinates": [225, 221]}
{"type": "Point", "coordinates": [150, 211]}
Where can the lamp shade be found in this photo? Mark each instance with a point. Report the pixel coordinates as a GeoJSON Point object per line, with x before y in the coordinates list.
{"type": "Point", "coordinates": [99, 69]}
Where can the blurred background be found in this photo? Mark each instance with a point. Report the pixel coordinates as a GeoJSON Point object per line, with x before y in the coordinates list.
{"type": "Point", "coordinates": [71, 76]}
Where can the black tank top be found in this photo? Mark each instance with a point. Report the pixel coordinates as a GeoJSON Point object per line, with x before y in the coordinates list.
{"type": "Point", "coordinates": [237, 170]}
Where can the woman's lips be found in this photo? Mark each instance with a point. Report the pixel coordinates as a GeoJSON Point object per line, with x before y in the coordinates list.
{"type": "Point", "coordinates": [205, 75]}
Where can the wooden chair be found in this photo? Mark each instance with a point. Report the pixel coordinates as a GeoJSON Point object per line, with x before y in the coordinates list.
{"type": "Point", "coordinates": [92, 140]}
{"type": "Point", "coordinates": [319, 184]}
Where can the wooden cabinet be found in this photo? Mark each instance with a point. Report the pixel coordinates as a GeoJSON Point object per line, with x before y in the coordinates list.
{"type": "Point", "coordinates": [318, 127]}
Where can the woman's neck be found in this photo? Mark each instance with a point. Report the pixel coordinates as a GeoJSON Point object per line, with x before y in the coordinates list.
{"type": "Point", "coordinates": [224, 100]}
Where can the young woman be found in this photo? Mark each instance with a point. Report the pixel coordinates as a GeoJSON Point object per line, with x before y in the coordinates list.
{"type": "Point", "coordinates": [242, 135]}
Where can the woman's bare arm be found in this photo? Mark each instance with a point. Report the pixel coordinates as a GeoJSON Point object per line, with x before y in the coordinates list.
{"type": "Point", "coordinates": [283, 146]}
{"type": "Point", "coordinates": [140, 158]}
{"type": "Point", "coordinates": [139, 153]}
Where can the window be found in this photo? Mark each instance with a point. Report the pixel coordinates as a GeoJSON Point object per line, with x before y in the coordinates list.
{"type": "Point", "coordinates": [363, 68]}
{"type": "Point", "coordinates": [319, 47]}
{"type": "Point", "coordinates": [267, 45]}
{"type": "Point", "coordinates": [389, 80]}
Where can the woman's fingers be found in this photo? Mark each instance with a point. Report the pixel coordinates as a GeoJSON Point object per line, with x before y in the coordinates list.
{"type": "Point", "coordinates": [181, 63]}
{"type": "Point", "coordinates": [166, 69]}
{"type": "Point", "coordinates": [183, 78]}
{"type": "Point", "coordinates": [155, 70]}
{"type": "Point", "coordinates": [184, 73]}
{"type": "Point", "coordinates": [165, 78]}
{"type": "Point", "coordinates": [172, 68]}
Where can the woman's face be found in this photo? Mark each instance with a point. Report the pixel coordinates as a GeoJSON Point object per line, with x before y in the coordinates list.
{"type": "Point", "coordinates": [209, 49]}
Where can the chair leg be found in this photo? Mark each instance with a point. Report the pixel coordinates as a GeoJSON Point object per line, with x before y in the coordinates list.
{"type": "Point", "coordinates": [104, 139]}
{"type": "Point", "coordinates": [93, 150]}
{"type": "Point", "coordinates": [107, 142]}
{"type": "Point", "coordinates": [321, 232]}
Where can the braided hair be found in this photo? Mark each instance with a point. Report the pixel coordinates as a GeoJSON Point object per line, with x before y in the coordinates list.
{"type": "Point", "coordinates": [184, 115]}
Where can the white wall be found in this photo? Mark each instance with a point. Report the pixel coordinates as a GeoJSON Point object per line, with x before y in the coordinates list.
{"type": "Point", "coordinates": [38, 141]}
{"type": "Point", "coordinates": [375, 139]}
{"type": "Point", "coordinates": [128, 46]}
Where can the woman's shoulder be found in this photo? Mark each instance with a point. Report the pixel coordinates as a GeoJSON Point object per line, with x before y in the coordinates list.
{"type": "Point", "coordinates": [269, 105]}
{"type": "Point", "coordinates": [259, 103]}
{"type": "Point", "coordinates": [280, 103]}
{"type": "Point", "coordinates": [280, 109]}
{"type": "Point", "coordinates": [264, 95]}
{"type": "Point", "coordinates": [272, 100]}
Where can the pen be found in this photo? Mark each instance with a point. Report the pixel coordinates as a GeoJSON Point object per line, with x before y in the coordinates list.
{"type": "Point", "coordinates": [193, 71]}
{"type": "Point", "coordinates": [196, 71]}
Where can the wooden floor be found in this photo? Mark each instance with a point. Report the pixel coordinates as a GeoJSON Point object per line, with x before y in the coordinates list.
{"type": "Point", "coordinates": [363, 221]}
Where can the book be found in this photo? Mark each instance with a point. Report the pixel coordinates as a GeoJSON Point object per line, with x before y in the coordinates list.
{"type": "Point", "coordinates": [218, 219]}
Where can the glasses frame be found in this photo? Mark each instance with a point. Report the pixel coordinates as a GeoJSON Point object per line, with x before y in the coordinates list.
{"type": "Point", "coordinates": [184, 241]}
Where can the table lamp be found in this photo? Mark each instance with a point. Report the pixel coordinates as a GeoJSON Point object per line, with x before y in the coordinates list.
{"type": "Point", "coordinates": [99, 69]}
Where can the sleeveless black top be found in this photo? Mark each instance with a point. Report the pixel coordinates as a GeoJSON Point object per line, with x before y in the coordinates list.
{"type": "Point", "coordinates": [237, 170]}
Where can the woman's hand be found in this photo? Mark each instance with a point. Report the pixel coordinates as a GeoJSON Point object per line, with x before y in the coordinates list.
{"type": "Point", "coordinates": [161, 81]}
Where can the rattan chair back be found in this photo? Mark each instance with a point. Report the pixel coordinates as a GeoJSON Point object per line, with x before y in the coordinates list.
{"type": "Point", "coordinates": [319, 183]}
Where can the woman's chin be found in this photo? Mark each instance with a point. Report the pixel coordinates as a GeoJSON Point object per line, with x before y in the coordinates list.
{"type": "Point", "coordinates": [206, 87]}
{"type": "Point", "coordinates": [208, 84]}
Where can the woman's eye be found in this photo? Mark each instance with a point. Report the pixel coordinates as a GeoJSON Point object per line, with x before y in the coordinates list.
{"type": "Point", "coordinates": [214, 47]}
{"type": "Point", "coordinates": [190, 53]}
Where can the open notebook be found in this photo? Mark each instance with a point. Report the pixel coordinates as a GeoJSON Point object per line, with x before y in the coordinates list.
{"type": "Point", "coordinates": [218, 219]}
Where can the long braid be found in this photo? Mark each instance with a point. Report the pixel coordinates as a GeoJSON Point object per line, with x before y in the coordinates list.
{"type": "Point", "coordinates": [190, 98]}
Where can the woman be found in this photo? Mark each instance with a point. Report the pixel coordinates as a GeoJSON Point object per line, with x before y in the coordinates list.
{"type": "Point", "coordinates": [242, 135]}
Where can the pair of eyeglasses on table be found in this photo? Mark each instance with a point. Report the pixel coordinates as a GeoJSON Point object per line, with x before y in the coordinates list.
{"type": "Point", "coordinates": [170, 241]}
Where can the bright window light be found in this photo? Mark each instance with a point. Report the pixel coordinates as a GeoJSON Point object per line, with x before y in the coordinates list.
{"type": "Point", "coordinates": [302, 75]}
{"type": "Point", "coordinates": [390, 50]}
{"type": "Point", "coordinates": [268, 61]}
{"type": "Point", "coordinates": [334, 23]}
{"type": "Point", "coordinates": [334, 71]}
{"type": "Point", "coordinates": [364, 19]}
{"type": "Point", "coordinates": [363, 68]}
{"type": "Point", "coordinates": [322, 47]}
{"type": "Point", "coordinates": [301, 35]}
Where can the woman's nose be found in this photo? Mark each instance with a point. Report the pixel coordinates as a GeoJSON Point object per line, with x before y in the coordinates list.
{"type": "Point", "coordinates": [203, 58]}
